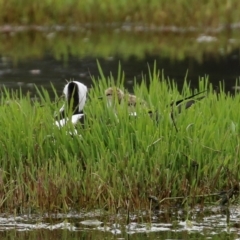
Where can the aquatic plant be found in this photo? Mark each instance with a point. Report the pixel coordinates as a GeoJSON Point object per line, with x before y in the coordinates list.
{"type": "Point", "coordinates": [120, 160]}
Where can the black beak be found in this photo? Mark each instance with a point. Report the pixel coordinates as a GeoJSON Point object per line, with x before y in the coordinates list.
{"type": "Point", "coordinates": [181, 100]}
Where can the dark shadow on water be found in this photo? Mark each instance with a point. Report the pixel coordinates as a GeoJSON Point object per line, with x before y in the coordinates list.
{"type": "Point", "coordinates": [46, 70]}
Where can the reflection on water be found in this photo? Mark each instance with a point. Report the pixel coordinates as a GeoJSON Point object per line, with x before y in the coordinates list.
{"type": "Point", "coordinates": [42, 72]}
{"type": "Point", "coordinates": [208, 223]}
{"type": "Point", "coordinates": [42, 55]}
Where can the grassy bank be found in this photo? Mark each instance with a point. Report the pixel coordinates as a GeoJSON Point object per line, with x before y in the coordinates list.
{"type": "Point", "coordinates": [117, 160]}
{"type": "Point", "coordinates": [181, 13]}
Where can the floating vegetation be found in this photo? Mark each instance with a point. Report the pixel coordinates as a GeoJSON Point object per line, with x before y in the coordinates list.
{"type": "Point", "coordinates": [120, 161]}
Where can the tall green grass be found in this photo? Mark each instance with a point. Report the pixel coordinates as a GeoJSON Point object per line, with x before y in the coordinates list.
{"type": "Point", "coordinates": [117, 158]}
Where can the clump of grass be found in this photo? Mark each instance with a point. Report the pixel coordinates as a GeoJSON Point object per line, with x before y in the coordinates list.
{"type": "Point", "coordinates": [119, 159]}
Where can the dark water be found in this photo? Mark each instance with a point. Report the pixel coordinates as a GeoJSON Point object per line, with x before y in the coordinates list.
{"type": "Point", "coordinates": [46, 70]}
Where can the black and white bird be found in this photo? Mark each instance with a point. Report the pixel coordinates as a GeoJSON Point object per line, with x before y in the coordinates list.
{"type": "Point", "coordinates": [75, 95]}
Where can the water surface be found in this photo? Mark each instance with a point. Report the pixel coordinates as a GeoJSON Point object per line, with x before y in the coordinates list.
{"type": "Point", "coordinates": [47, 70]}
{"type": "Point", "coordinates": [198, 223]}
{"type": "Point", "coordinates": [51, 55]}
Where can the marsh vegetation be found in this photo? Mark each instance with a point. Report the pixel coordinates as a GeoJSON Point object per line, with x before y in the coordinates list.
{"type": "Point", "coordinates": [63, 28]}
{"type": "Point", "coordinates": [181, 13]}
{"type": "Point", "coordinates": [119, 162]}
{"type": "Point", "coordinates": [151, 173]}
